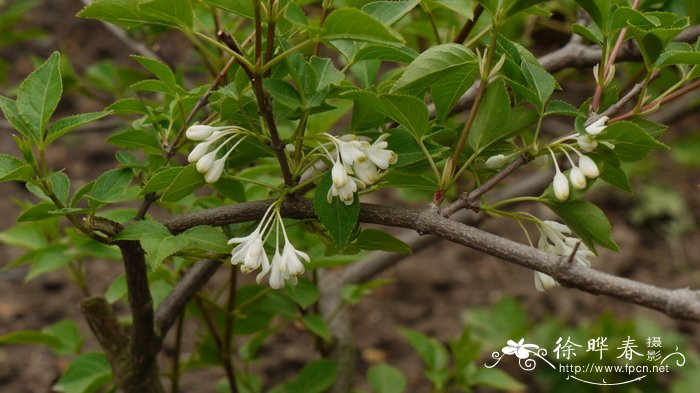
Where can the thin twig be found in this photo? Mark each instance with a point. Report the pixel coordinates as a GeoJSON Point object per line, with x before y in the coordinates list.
{"type": "Point", "coordinates": [469, 25]}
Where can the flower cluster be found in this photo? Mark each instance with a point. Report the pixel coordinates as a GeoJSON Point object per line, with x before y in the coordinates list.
{"type": "Point", "coordinates": [586, 168]}
{"type": "Point", "coordinates": [250, 252]}
{"type": "Point", "coordinates": [587, 141]}
{"type": "Point", "coordinates": [356, 164]}
{"type": "Point", "coordinates": [206, 158]}
{"type": "Point", "coordinates": [555, 239]}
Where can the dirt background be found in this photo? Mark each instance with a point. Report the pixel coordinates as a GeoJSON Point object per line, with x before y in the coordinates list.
{"type": "Point", "coordinates": [430, 291]}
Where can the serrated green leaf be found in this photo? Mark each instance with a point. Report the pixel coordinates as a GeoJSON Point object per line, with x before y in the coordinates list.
{"type": "Point", "coordinates": [86, 374]}
{"type": "Point", "coordinates": [9, 109]}
{"type": "Point", "coordinates": [434, 354]}
{"type": "Point", "coordinates": [11, 168]}
{"type": "Point", "coordinates": [157, 68]}
{"type": "Point", "coordinates": [185, 182]}
{"type": "Point", "coordinates": [67, 124]}
{"type": "Point", "coordinates": [161, 180]}
{"type": "Point", "coordinates": [110, 186]}
{"type": "Point", "coordinates": [315, 377]}
{"type": "Point", "coordinates": [432, 64]}
{"type": "Point", "coordinates": [357, 25]}
{"type": "Point", "coordinates": [317, 325]}
{"type": "Point", "coordinates": [385, 53]}
{"type": "Point", "coordinates": [408, 111]}
{"type": "Point", "coordinates": [374, 239]}
{"type": "Point", "coordinates": [542, 82]}
{"type": "Point", "coordinates": [240, 7]}
{"type": "Point", "coordinates": [449, 88]}
{"type": "Point", "coordinates": [587, 221]}
{"type": "Point", "coordinates": [631, 142]}
{"type": "Point", "coordinates": [305, 293]}
{"type": "Point", "coordinates": [389, 12]}
{"type": "Point", "coordinates": [492, 116]}
{"type": "Point", "coordinates": [38, 96]}
{"type": "Point", "coordinates": [132, 13]}
{"type": "Point", "coordinates": [206, 238]}
{"type": "Point", "coordinates": [135, 139]}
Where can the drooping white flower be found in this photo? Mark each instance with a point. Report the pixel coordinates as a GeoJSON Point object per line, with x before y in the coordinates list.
{"type": "Point", "coordinates": [217, 169]}
{"type": "Point", "coordinates": [497, 161]}
{"type": "Point", "coordinates": [544, 282]}
{"type": "Point", "coordinates": [206, 161]}
{"type": "Point", "coordinates": [350, 150]}
{"type": "Point", "coordinates": [578, 179]}
{"type": "Point", "coordinates": [291, 259]}
{"type": "Point", "coordinates": [555, 239]}
{"type": "Point", "coordinates": [366, 172]}
{"type": "Point", "coordinates": [378, 153]}
{"type": "Point", "coordinates": [588, 167]}
{"type": "Point", "coordinates": [597, 126]}
{"type": "Point", "coordinates": [199, 132]}
{"type": "Point", "coordinates": [560, 184]}
{"type": "Point", "coordinates": [339, 174]}
{"type": "Point", "coordinates": [586, 142]}
{"type": "Point", "coordinates": [198, 152]}
{"type": "Point", "coordinates": [346, 193]}
{"type": "Point", "coordinates": [250, 251]}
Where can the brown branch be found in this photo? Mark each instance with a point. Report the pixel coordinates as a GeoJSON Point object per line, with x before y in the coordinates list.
{"type": "Point", "coordinates": [109, 333]}
{"type": "Point", "coordinates": [184, 291]}
{"type": "Point", "coordinates": [469, 25]}
{"type": "Point", "coordinates": [681, 304]}
{"type": "Point", "coordinates": [468, 199]}
{"type": "Point", "coordinates": [673, 96]}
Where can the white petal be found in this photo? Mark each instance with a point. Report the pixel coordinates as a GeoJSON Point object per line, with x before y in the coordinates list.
{"type": "Point", "coordinates": [561, 186]}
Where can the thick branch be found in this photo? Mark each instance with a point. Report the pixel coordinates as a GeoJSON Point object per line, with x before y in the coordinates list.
{"type": "Point", "coordinates": [682, 304]}
{"type": "Point", "coordinates": [183, 292]}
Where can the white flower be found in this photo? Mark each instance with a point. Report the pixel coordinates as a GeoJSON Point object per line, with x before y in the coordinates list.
{"type": "Point", "coordinates": [346, 193]}
{"type": "Point", "coordinates": [561, 186]}
{"type": "Point", "coordinates": [497, 161]}
{"type": "Point", "coordinates": [216, 170]}
{"type": "Point", "coordinates": [544, 282]}
{"type": "Point", "coordinates": [578, 179]}
{"type": "Point", "coordinates": [339, 174]}
{"type": "Point", "coordinates": [250, 251]}
{"type": "Point", "coordinates": [586, 142]}
{"type": "Point", "coordinates": [366, 172]}
{"type": "Point", "coordinates": [198, 152]}
{"type": "Point", "coordinates": [588, 167]}
{"type": "Point", "coordinates": [350, 151]}
{"type": "Point", "coordinates": [378, 154]}
{"type": "Point", "coordinates": [205, 163]}
{"type": "Point", "coordinates": [597, 126]}
{"type": "Point", "coordinates": [291, 259]}
{"type": "Point", "coordinates": [199, 132]}
{"type": "Point", "coordinates": [290, 148]}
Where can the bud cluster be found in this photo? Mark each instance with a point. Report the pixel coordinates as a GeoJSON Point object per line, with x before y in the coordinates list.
{"type": "Point", "coordinates": [212, 137]}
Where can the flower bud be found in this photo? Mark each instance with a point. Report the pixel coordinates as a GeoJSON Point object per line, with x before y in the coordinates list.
{"type": "Point", "coordinates": [541, 161]}
{"type": "Point", "coordinates": [578, 180]}
{"type": "Point", "coordinates": [597, 126]}
{"type": "Point", "coordinates": [588, 167]}
{"type": "Point", "coordinates": [198, 152]}
{"type": "Point", "coordinates": [339, 175]}
{"type": "Point", "coordinates": [544, 282]}
{"type": "Point", "coordinates": [199, 132]}
{"type": "Point", "coordinates": [586, 142]}
{"type": "Point", "coordinates": [561, 186]}
{"type": "Point", "coordinates": [205, 163]}
{"type": "Point", "coordinates": [497, 161]}
{"type": "Point", "coordinates": [214, 173]}
{"type": "Point", "coordinates": [289, 148]}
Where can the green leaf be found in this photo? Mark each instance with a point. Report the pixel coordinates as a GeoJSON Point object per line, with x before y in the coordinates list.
{"type": "Point", "coordinates": [136, 139]}
{"type": "Point", "coordinates": [434, 354]}
{"type": "Point", "coordinates": [520, 5]}
{"type": "Point", "coordinates": [68, 124]}
{"type": "Point", "coordinates": [315, 377]}
{"type": "Point", "coordinates": [449, 88]}
{"type": "Point", "coordinates": [389, 12]}
{"type": "Point", "coordinates": [9, 109]}
{"type": "Point", "coordinates": [497, 379]}
{"type": "Point", "coordinates": [317, 325]}
{"type": "Point", "coordinates": [62, 337]}
{"type": "Point", "coordinates": [38, 96]}
{"type": "Point", "coordinates": [386, 379]}
{"type": "Point", "coordinates": [239, 7]}
{"type": "Point", "coordinates": [408, 111]}
{"type": "Point", "coordinates": [161, 180]}
{"type": "Point", "coordinates": [540, 80]}
{"type": "Point", "coordinates": [677, 57]}
{"type": "Point", "coordinates": [110, 186]}
{"type": "Point", "coordinates": [353, 293]}
{"type": "Point", "coordinates": [139, 229]}
{"type": "Point", "coordinates": [185, 182]}
{"type": "Point", "coordinates": [596, 10]}
{"type": "Point", "coordinates": [232, 189]}
{"type": "Point", "coordinates": [374, 239]}
{"type": "Point", "coordinates": [617, 177]}
{"type": "Point", "coordinates": [385, 53]}
{"type": "Point", "coordinates": [357, 25]}
{"type": "Point", "coordinates": [157, 68]}
{"type": "Point", "coordinates": [305, 293]}
{"type": "Point", "coordinates": [132, 13]}
{"type": "Point", "coordinates": [557, 107]}
{"type": "Point", "coordinates": [591, 34]}
{"type": "Point", "coordinates": [631, 142]}
{"type": "Point", "coordinates": [366, 111]}
{"type": "Point", "coordinates": [11, 168]}
{"type": "Point", "coordinates": [338, 218]}
{"type": "Point", "coordinates": [432, 64]}
{"type": "Point", "coordinates": [86, 374]}
{"type": "Point", "coordinates": [128, 106]}
{"type": "Point", "coordinates": [283, 93]}
{"type": "Point", "coordinates": [206, 238]}
{"type": "Point", "coordinates": [30, 236]}
{"type": "Point", "coordinates": [492, 116]}
{"type": "Point", "coordinates": [586, 220]}
{"type": "Point", "coordinates": [117, 289]}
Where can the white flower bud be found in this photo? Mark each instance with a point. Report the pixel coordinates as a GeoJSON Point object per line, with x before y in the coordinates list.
{"type": "Point", "coordinates": [289, 148]}
{"type": "Point", "coordinates": [561, 186]}
{"type": "Point", "coordinates": [215, 172]}
{"type": "Point", "coordinates": [597, 126]}
{"type": "Point", "coordinates": [497, 161]}
{"type": "Point", "coordinates": [205, 163]}
{"type": "Point", "coordinates": [544, 282]}
{"type": "Point", "coordinates": [199, 132]}
{"type": "Point", "coordinates": [198, 152]}
{"type": "Point", "coordinates": [588, 167]}
{"type": "Point", "coordinates": [578, 180]}
{"type": "Point", "coordinates": [586, 142]}
{"type": "Point", "coordinates": [339, 175]}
